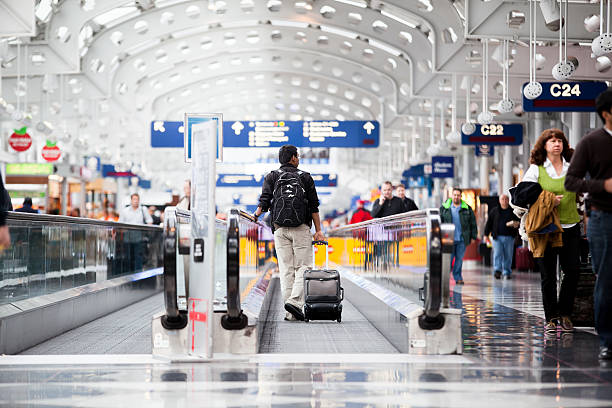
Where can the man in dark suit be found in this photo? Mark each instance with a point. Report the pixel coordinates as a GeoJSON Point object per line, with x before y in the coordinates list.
{"type": "Point", "coordinates": [387, 204]}
{"type": "Point", "coordinates": [27, 206]}
{"type": "Point", "coordinates": [408, 202]}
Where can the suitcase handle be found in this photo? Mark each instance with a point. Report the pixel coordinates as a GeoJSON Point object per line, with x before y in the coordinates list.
{"type": "Point", "coordinates": [315, 243]}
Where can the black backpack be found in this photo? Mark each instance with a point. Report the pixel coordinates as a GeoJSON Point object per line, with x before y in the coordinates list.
{"type": "Point", "coordinates": [289, 200]}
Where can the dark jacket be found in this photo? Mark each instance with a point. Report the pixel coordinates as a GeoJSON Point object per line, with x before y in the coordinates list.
{"type": "Point", "coordinates": [409, 204]}
{"type": "Point", "coordinates": [5, 203]}
{"type": "Point", "coordinates": [390, 207]}
{"type": "Point", "coordinates": [592, 156]}
{"type": "Point", "coordinates": [469, 230]}
{"type": "Point", "coordinates": [265, 199]}
{"type": "Point", "coordinates": [493, 220]}
{"type": "Point", "coordinates": [27, 209]}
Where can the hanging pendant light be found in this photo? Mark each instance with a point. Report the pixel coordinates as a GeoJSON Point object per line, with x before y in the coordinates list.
{"type": "Point", "coordinates": [533, 89]}
{"type": "Point", "coordinates": [564, 68]}
{"type": "Point", "coordinates": [602, 44]}
{"type": "Point", "coordinates": [486, 116]}
{"type": "Point", "coordinates": [506, 105]}
{"type": "Point", "coordinates": [468, 127]}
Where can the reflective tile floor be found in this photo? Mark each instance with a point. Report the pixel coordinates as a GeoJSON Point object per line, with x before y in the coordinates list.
{"type": "Point", "coordinates": [507, 363]}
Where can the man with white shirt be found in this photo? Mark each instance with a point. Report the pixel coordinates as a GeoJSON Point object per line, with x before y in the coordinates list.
{"type": "Point", "coordinates": [132, 238]}
{"type": "Point", "coordinates": [135, 213]}
{"type": "Point", "coordinates": [593, 155]}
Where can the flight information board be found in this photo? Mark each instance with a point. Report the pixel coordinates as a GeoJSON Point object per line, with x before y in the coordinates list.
{"type": "Point", "coordinates": [251, 180]}
{"type": "Point", "coordinates": [319, 133]}
{"type": "Point", "coordinates": [565, 97]}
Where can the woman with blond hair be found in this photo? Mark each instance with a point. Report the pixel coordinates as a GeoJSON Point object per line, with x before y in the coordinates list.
{"type": "Point", "coordinates": [549, 163]}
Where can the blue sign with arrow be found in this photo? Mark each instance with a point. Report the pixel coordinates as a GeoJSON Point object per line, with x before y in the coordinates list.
{"type": "Point", "coordinates": [565, 97]}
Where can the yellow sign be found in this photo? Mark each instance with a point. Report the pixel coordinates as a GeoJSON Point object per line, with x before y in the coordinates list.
{"type": "Point", "coordinates": [29, 169]}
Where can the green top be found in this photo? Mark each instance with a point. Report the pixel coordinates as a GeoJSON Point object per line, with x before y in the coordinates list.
{"type": "Point", "coordinates": [568, 213]}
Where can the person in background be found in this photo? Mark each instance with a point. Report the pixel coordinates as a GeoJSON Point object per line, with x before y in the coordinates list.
{"type": "Point", "coordinates": [387, 204]}
{"type": "Point", "coordinates": [593, 155]}
{"type": "Point", "coordinates": [135, 213]}
{"type": "Point", "coordinates": [457, 212]}
{"type": "Point", "coordinates": [361, 214]}
{"type": "Point", "coordinates": [502, 224]}
{"type": "Point", "coordinates": [153, 212]}
{"type": "Point", "coordinates": [76, 212]}
{"type": "Point", "coordinates": [549, 160]}
{"type": "Point", "coordinates": [185, 201]}
{"type": "Point", "coordinates": [408, 202]}
{"type": "Point", "coordinates": [5, 202]}
{"type": "Point", "coordinates": [27, 206]}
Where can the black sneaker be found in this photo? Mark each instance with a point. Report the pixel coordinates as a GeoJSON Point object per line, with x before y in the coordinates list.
{"type": "Point", "coordinates": [497, 274]}
{"type": "Point", "coordinates": [295, 311]}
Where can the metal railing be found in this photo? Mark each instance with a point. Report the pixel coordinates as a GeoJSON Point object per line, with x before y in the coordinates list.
{"type": "Point", "coordinates": [402, 252]}
{"type": "Point", "coordinates": [236, 268]}
{"type": "Point", "coordinates": [50, 253]}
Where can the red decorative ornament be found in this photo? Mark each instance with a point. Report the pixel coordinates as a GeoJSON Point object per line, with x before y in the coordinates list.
{"type": "Point", "coordinates": [51, 152]}
{"type": "Point", "coordinates": [20, 141]}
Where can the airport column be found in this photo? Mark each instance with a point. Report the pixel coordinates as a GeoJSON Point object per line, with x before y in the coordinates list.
{"type": "Point", "coordinates": [507, 170]}
{"type": "Point", "coordinates": [576, 129]}
{"type": "Point", "coordinates": [467, 167]}
{"type": "Point", "coordinates": [485, 168]}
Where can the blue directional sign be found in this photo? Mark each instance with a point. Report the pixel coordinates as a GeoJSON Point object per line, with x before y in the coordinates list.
{"type": "Point", "coordinates": [250, 180]}
{"type": "Point", "coordinates": [318, 133]}
{"type": "Point", "coordinates": [494, 134]}
{"type": "Point", "coordinates": [167, 134]}
{"type": "Point", "coordinates": [484, 150]}
{"type": "Point", "coordinates": [442, 166]}
{"type": "Point", "coordinates": [565, 97]}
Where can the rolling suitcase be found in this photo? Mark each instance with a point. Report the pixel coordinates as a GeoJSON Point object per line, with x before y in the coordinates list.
{"type": "Point", "coordinates": [322, 291]}
{"type": "Point", "coordinates": [524, 259]}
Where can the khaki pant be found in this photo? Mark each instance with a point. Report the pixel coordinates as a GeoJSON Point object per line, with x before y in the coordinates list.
{"type": "Point", "coordinates": [294, 253]}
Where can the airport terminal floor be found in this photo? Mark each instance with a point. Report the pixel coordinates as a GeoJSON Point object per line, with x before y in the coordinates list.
{"type": "Point", "coordinates": [506, 359]}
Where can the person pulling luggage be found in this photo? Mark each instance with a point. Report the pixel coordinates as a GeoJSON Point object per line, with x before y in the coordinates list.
{"type": "Point", "coordinates": [291, 196]}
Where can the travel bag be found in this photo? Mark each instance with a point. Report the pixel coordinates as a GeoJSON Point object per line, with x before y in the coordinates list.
{"type": "Point", "coordinates": [524, 259]}
{"type": "Point", "coordinates": [323, 294]}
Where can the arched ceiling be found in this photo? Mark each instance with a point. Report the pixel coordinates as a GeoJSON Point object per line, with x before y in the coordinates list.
{"type": "Point", "coordinates": [112, 66]}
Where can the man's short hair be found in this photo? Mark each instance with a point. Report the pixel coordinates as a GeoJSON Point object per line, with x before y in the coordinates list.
{"type": "Point", "coordinates": [457, 189]}
{"type": "Point", "coordinates": [134, 194]}
{"type": "Point", "coordinates": [401, 185]}
{"type": "Point", "coordinates": [603, 103]}
{"type": "Point", "coordinates": [27, 201]}
{"type": "Point", "coordinates": [388, 182]}
{"type": "Point", "coordinates": [286, 152]}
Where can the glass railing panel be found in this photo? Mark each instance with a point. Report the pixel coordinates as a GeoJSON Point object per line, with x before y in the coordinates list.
{"type": "Point", "coordinates": [392, 250]}
{"type": "Point", "coordinates": [52, 253]}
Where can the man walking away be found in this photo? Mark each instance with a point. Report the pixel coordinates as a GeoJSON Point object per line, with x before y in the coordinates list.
{"type": "Point", "coordinates": [291, 196]}
{"type": "Point", "coordinates": [456, 211]}
{"type": "Point", "coordinates": [502, 224]}
{"type": "Point", "coordinates": [593, 155]}
{"type": "Point", "coordinates": [27, 206]}
{"type": "Point", "coordinates": [408, 203]}
{"type": "Point", "coordinates": [387, 204]}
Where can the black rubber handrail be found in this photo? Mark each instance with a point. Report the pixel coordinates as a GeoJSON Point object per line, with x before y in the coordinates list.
{"type": "Point", "coordinates": [234, 319]}
{"type": "Point", "coordinates": [174, 319]}
{"type": "Point", "coordinates": [432, 319]}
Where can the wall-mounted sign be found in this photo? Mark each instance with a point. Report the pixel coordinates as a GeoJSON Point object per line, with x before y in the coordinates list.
{"type": "Point", "coordinates": [108, 170]}
{"type": "Point", "coordinates": [443, 166]}
{"type": "Point", "coordinates": [51, 152]}
{"type": "Point", "coordinates": [193, 119]}
{"type": "Point", "coordinates": [20, 141]}
{"type": "Point", "coordinates": [142, 183]}
{"type": "Point", "coordinates": [250, 180]}
{"type": "Point", "coordinates": [484, 150]}
{"type": "Point", "coordinates": [565, 97]}
{"type": "Point", "coordinates": [29, 169]}
{"type": "Point", "coordinates": [350, 133]}
{"type": "Point", "coordinates": [494, 134]}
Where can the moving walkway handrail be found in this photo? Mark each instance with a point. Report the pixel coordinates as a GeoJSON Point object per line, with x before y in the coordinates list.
{"type": "Point", "coordinates": [174, 318]}
{"type": "Point", "coordinates": [53, 219]}
{"type": "Point", "coordinates": [433, 280]}
{"type": "Point", "coordinates": [234, 319]}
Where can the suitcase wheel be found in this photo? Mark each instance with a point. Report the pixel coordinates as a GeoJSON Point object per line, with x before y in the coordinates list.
{"type": "Point", "coordinates": [306, 319]}
{"type": "Point", "coordinates": [339, 319]}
